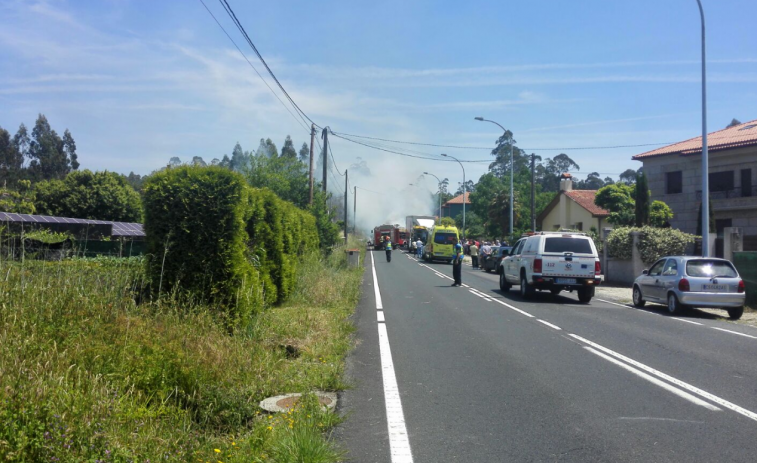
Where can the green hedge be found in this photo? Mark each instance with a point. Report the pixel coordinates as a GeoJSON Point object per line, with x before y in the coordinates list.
{"type": "Point", "coordinates": [653, 243]}
{"type": "Point", "coordinates": [212, 236]}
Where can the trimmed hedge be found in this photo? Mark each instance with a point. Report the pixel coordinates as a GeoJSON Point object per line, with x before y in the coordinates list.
{"type": "Point", "coordinates": [212, 236]}
{"type": "Point", "coordinates": [653, 243]}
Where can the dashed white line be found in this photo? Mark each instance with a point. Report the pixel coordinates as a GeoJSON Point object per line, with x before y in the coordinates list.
{"type": "Point", "coordinates": [653, 380]}
{"type": "Point", "coordinates": [615, 303]}
{"type": "Point", "coordinates": [513, 308]}
{"type": "Point", "coordinates": [677, 382]}
{"type": "Point", "coordinates": [380, 316]}
{"type": "Point", "coordinates": [734, 332]}
{"type": "Point", "coordinates": [687, 321]}
{"type": "Point", "coordinates": [555, 327]}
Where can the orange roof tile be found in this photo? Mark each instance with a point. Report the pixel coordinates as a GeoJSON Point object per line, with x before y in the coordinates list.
{"type": "Point", "coordinates": [459, 199]}
{"type": "Point", "coordinates": [733, 137]}
{"type": "Point", "coordinates": [585, 199]}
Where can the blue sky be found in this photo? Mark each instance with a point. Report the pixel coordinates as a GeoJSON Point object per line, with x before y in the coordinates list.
{"type": "Point", "coordinates": [138, 82]}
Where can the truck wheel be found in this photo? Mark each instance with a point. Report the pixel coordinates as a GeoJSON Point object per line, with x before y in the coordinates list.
{"type": "Point", "coordinates": [585, 295]}
{"type": "Point", "coordinates": [503, 284]}
{"type": "Point", "coordinates": [735, 312]}
{"type": "Point", "coordinates": [526, 290]}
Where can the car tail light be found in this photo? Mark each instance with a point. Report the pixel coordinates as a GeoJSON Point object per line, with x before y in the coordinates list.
{"type": "Point", "coordinates": [741, 286]}
{"type": "Point", "coordinates": [537, 265]}
{"type": "Point", "coordinates": [597, 268]}
{"type": "Point", "coordinates": [683, 285]}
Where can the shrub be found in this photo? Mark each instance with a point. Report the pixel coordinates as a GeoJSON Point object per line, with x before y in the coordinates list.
{"type": "Point", "coordinates": [653, 243]}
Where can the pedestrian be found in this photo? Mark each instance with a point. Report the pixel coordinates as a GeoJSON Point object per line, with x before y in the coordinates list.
{"type": "Point", "coordinates": [457, 262]}
{"type": "Point", "coordinates": [486, 251]}
{"type": "Point", "coordinates": [474, 255]}
{"type": "Point", "coordinates": [388, 247]}
{"type": "Point", "coordinates": [419, 248]}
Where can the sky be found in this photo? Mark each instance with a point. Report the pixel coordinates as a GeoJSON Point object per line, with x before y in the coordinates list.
{"type": "Point", "coordinates": [138, 82]}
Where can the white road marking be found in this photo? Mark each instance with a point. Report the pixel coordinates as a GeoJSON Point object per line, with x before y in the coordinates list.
{"type": "Point", "coordinates": [734, 332]}
{"type": "Point", "coordinates": [399, 444]}
{"type": "Point", "coordinates": [380, 316]}
{"type": "Point", "coordinates": [677, 382]}
{"type": "Point", "coordinates": [376, 291]}
{"type": "Point", "coordinates": [653, 380]}
{"type": "Point", "coordinates": [687, 321]}
{"type": "Point", "coordinates": [481, 295]}
{"type": "Point", "coordinates": [615, 303]}
{"type": "Point", "coordinates": [514, 308]}
{"type": "Point", "coordinates": [549, 324]}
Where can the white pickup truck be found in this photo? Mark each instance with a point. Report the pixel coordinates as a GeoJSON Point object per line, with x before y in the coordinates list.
{"type": "Point", "coordinates": [552, 261]}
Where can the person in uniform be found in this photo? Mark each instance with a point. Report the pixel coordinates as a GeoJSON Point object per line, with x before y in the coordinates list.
{"type": "Point", "coordinates": [457, 262]}
{"type": "Point", "coordinates": [388, 248]}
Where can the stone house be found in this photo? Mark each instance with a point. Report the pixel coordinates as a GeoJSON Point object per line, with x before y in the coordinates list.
{"type": "Point", "coordinates": [454, 206]}
{"type": "Point", "coordinates": [674, 174]}
{"type": "Point", "coordinates": [572, 209]}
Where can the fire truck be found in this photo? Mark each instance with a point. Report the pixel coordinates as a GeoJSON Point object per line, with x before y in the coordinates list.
{"type": "Point", "coordinates": [382, 232]}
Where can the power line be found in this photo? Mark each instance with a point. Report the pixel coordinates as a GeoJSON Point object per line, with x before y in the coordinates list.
{"type": "Point", "coordinates": [236, 21]}
{"type": "Point", "coordinates": [253, 67]}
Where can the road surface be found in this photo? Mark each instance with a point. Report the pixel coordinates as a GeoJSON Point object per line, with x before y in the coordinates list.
{"type": "Point", "coordinates": [471, 374]}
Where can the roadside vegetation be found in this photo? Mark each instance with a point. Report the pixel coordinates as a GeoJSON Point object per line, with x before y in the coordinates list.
{"type": "Point", "coordinates": [89, 372]}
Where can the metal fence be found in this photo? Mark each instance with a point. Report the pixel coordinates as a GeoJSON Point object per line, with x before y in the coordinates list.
{"type": "Point", "coordinates": [746, 264]}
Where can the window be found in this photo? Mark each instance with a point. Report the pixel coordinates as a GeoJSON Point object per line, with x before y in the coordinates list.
{"type": "Point", "coordinates": [671, 268]}
{"type": "Point", "coordinates": [445, 238]}
{"type": "Point", "coordinates": [656, 268]}
{"type": "Point", "coordinates": [746, 182]}
{"type": "Point", "coordinates": [562, 245]}
{"type": "Point", "coordinates": [710, 268]}
{"type": "Point", "coordinates": [518, 247]}
{"type": "Point", "coordinates": [674, 182]}
{"type": "Point", "coordinates": [721, 181]}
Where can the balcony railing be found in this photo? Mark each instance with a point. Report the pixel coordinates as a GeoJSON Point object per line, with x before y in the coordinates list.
{"type": "Point", "coordinates": [728, 194]}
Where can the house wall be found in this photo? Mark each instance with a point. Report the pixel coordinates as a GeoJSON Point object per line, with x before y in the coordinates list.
{"type": "Point", "coordinates": [742, 211]}
{"type": "Point", "coordinates": [567, 214]}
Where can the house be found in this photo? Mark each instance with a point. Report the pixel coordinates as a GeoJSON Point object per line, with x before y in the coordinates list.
{"type": "Point", "coordinates": [454, 206]}
{"type": "Point", "coordinates": [572, 209]}
{"type": "Point", "coordinates": [674, 174]}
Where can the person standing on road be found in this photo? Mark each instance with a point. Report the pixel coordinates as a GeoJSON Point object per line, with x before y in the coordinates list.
{"type": "Point", "coordinates": [457, 262]}
{"type": "Point", "coordinates": [388, 247]}
{"type": "Point", "coordinates": [474, 255]}
{"type": "Point", "coordinates": [486, 251]}
{"type": "Point", "coordinates": [419, 248]}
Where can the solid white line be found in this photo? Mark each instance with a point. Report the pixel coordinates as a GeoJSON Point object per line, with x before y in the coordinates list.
{"type": "Point", "coordinates": [514, 308]}
{"type": "Point", "coordinates": [671, 379]}
{"type": "Point", "coordinates": [399, 443]}
{"type": "Point", "coordinates": [549, 324]}
{"type": "Point", "coordinates": [481, 294]}
{"type": "Point", "coordinates": [380, 316]}
{"type": "Point", "coordinates": [653, 380]}
{"type": "Point", "coordinates": [687, 321]}
{"type": "Point", "coordinates": [376, 291]}
{"type": "Point", "coordinates": [614, 303]}
{"type": "Point", "coordinates": [734, 332]}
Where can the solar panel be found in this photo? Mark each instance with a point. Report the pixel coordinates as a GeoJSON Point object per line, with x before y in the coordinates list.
{"type": "Point", "coordinates": [118, 228]}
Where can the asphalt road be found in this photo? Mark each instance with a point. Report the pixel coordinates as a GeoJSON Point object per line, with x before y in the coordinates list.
{"type": "Point", "coordinates": [483, 376]}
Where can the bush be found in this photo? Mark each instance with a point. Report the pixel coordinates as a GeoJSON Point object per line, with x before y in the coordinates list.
{"type": "Point", "coordinates": [653, 243]}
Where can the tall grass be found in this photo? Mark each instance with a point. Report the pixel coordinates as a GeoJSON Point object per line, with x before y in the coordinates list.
{"type": "Point", "coordinates": [88, 374]}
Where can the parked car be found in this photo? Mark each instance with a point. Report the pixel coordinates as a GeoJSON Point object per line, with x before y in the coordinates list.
{"type": "Point", "coordinates": [686, 281]}
{"type": "Point", "coordinates": [552, 261]}
{"type": "Point", "coordinates": [491, 264]}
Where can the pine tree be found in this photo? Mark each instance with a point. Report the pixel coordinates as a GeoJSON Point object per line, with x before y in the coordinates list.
{"type": "Point", "coordinates": [305, 154]}
{"type": "Point", "coordinates": [288, 149]}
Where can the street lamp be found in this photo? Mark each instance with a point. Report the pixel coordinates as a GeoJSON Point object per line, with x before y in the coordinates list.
{"type": "Point", "coordinates": [440, 194]}
{"type": "Point", "coordinates": [705, 160]}
{"type": "Point", "coordinates": [461, 166]}
{"type": "Point", "coordinates": [512, 199]}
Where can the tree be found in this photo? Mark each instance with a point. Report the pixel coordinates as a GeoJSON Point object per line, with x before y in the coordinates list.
{"type": "Point", "coordinates": [660, 214]}
{"type": "Point", "coordinates": [11, 159]}
{"type": "Point", "coordinates": [135, 180]}
{"type": "Point", "coordinates": [69, 147]}
{"type": "Point", "coordinates": [553, 168]}
{"type": "Point", "coordinates": [225, 162]}
{"type": "Point", "coordinates": [592, 182]}
{"type": "Point", "coordinates": [618, 199]}
{"type": "Point", "coordinates": [288, 149]}
{"type": "Point", "coordinates": [198, 161]}
{"type": "Point", "coordinates": [734, 122]}
{"type": "Point", "coordinates": [305, 154]}
{"type": "Point", "coordinates": [284, 175]}
{"type": "Point", "coordinates": [19, 201]}
{"type": "Point", "coordinates": [89, 195]}
{"type": "Point", "coordinates": [239, 159]}
{"type": "Point", "coordinates": [628, 176]}
{"type": "Point", "coordinates": [447, 222]}
{"type": "Point", "coordinates": [51, 157]}
{"type": "Point", "coordinates": [642, 200]}
{"type": "Point", "coordinates": [470, 187]}
{"type": "Point", "coordinates": [174, 162]}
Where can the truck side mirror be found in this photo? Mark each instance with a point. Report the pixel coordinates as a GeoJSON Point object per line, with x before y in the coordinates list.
{"type": "Point", "coordinates": [645, 272]}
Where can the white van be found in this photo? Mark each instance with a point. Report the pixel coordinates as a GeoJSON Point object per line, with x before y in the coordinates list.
{"type": "Point", "coordinates": [552, 261]}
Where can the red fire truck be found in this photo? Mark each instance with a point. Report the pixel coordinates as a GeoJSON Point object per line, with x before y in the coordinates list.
{"type": "Point", "coordinates": [382, 232]}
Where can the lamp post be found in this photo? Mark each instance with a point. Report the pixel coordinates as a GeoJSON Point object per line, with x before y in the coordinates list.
{"type": "Point", "coordinates": [512, 199]}
{"type": "Point", "coordinates": [464, 195]}
{"type": "Point", "coordinates": [440, 193]}
{"type": "Point", "coordinates": [705, 160]}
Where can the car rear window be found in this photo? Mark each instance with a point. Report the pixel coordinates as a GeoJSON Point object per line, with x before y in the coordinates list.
{"type": "Point", "coordinates": [445, 238]}
{"type": "Point", "coordinates": [565, 244]}
{"type": "Point", "coordinates": [710, 268]}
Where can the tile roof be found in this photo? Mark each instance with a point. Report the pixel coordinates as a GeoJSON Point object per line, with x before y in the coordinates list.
{"type": "Point", "coordinates": [585, 199]}
{"type": "Point", "coordinates": [459, 199]}
{"type": "Point", "coordinates": [732, 137]}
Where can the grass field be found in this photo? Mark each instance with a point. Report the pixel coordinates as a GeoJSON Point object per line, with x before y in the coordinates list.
{"type": "Point", "coordinates": [88, 374]}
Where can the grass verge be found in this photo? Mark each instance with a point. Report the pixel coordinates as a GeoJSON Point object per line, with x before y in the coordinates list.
{"type": "Point", "coordinates": [87, 374]}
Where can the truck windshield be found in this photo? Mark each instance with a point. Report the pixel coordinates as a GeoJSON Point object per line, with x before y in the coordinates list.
{"type": "Point", "coordinates": [710, 268]}
{"type": "Point", "coordinates": [564, 244]}
{"type": "Point", "coordinates": [444, 238]}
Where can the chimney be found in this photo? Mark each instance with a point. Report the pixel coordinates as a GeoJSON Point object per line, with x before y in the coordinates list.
{"type": "Point", "coordinates": [566, 182]}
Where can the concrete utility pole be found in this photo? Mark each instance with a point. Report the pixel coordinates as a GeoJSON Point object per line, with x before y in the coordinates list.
{"type": "Point", "coordinates": [705, 160]}
{"type": "Point", "coordinates": [325, 136]}
{"type": "Point", "coordinates": [346, 178]}
{"type": "Point", "coordinates": [533, 192]}
{"type": "Point", "coordinates": [354, 210]}
{"type": "Point", "coordinates": [312, 142]}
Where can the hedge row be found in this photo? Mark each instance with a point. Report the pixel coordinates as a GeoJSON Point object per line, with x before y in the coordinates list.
{"type": "Point", "coordinates": [653, 243]}
{"type": "Point", "coordinates": [210, 235]}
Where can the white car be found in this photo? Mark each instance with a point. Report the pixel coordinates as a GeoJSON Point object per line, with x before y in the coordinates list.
{"type": "Point", "coordinates": [552, 261]}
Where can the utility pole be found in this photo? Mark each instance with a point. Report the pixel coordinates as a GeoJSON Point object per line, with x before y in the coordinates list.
{"type": "Point", "coordinates": [325, 136]}
{"type": "Point", "coordinates": [312, 142]}
{"type": "Point", "coordinates": [354, 211]}
{"type": "Point", "coordinates": [533, 192]}
{"type": "Point", "coordinates": [346, 178]}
